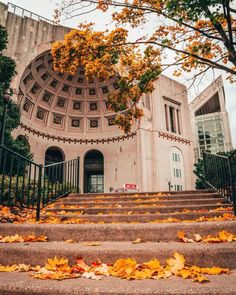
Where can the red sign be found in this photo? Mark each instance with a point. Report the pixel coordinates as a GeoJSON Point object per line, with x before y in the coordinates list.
{"type": "Point", "coordinates": [131, 186]}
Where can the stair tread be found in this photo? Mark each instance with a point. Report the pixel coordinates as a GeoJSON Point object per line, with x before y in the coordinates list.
{"type": "Point", "coordinates": [22, 283]}
{"type": "Point", "coordinates": [198, 201]}
{"type": "Point", "coordinates": [113, 231]}
{"type": "Point", "coordinates": [202, 254]}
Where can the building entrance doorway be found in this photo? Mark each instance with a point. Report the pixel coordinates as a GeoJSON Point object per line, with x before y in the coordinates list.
{"type": "Point", "coordinates": [54, 155]}
{"type": "Point", "coordinates": [94, 172]}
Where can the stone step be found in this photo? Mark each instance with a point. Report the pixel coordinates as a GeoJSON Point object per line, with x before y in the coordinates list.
{"type": "Point", "coordinates": [119, 218]}
{"type": "Point", "coordinates": [126, 198]}
{"type": "Point", "coordinates": [201, 254]}
{"type": "Point", "coordinates": [142, 210]}
{"type": "Point", "coordinates": [203, 191]}
{"type": "Point", "coordinates": [136, 204]}
{"type": "Point", "coordinates": [118, 232]}
{"type": "Point", "coordinates": [22, 283]}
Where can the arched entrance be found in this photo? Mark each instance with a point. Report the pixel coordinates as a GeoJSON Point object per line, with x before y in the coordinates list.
{"type": "Point", "coordinates": [54, 155]}
{"type": "Point", "coordinates": [94, 172]}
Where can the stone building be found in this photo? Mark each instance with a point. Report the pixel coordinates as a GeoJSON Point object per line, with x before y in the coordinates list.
{"type": "Point", "coordinates": [65, 117]}
{"type": "Point", "coordinates": [210, 121]}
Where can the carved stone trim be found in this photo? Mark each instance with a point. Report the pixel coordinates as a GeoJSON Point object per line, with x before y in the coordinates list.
{"type": "Point", "coordinates": [75, 140]}
{"type": "Point", "coordinates": [174, 138]}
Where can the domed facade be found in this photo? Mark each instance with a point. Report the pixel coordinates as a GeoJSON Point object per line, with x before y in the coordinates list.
{"type": "Point", "coordinates": [73, 107]}
{"type": "Point", "coordinates": [66, 117]}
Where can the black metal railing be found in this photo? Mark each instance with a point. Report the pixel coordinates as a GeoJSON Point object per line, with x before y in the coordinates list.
{"type": "Point", "coordinates": [18, 10]}
{"type": "Point", "coordinates": [26, 184]}
{"type": "Point", "coordinates": [220, 174]}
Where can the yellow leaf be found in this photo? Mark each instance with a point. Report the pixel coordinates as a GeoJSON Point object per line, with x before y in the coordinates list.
{"type": "Point", "coordinates": [137, 241]}
{"type": "Point", "coordinates": [55, 263]}
{"type": "Point", "coordinates": [201, 279]}
{"type": "Point", "coordinates": [185, 273]}
{"type": "Point", "coordinates": [226, 236]}
{"type": "Point", "coordinates": [181, 236]}
{"type": "Point", "coordinates": [214, 270]}
{"type": "Point", "coordinates": [8, 268]}
{"type": "Point", "coordinates": [177, 263]}
{"type": "Point", "coordinates": [153, 264]}
{"type": "Point", "coordinates": [70, 241]}
{"type": "Point", "coordinates": [92, 244]}
{"type": "Point", "coordinates": [198, 238]}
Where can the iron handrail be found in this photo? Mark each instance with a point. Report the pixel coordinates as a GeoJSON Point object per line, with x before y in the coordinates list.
{"type": "Point", "coordinates": [220, 156]}
{"type": "Point", "coordinates": [26, 184]}
{"type": "Point", "coordinates": [232, 154]}
{"type": "Point", "coordinates": [16, 154]}
{"type": "Point", "coordinates": [220, 174]}
{"type": "Point", "coordinates": [57, 163]}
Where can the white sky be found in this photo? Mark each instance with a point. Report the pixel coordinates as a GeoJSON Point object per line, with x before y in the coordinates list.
{"type": "Point", "coordinates": [45, 8]}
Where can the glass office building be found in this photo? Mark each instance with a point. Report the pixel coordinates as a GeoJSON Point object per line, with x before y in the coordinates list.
{"type": "Point", "coordinates": [210, 121]}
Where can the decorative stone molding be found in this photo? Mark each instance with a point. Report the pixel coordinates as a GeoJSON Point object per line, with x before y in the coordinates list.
{"type": "Point", "coordinates": [174, 138]}
{"type": "Point", "coordinates": [76, 140]}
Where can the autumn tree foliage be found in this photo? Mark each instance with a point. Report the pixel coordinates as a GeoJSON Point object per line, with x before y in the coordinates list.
{"type": "Point", "coordinates": [201, 34]}
{"type": "Point", "coordinates": [7, 72]}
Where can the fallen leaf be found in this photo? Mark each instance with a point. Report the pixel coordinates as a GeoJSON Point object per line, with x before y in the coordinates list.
{"type": "Point", "coordinates": [177, 263]}
{"type": "Point", "coordinates": [137, 241]}
{"type": "Point", "coordinates": [91, 244]}
{"type": "Point", "coordinates": [92, 276]}
{"type": "Point", "coordinates": [70, 241]}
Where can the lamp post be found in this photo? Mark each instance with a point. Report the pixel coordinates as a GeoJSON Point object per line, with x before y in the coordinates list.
{"type": "Point", "coordinates": [169, 184]}
{"type": "Point", "coordinates": [6, 99]}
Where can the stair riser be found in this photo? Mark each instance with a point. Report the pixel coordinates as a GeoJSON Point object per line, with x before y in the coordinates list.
{"type": "Point", "coordinates": [186, 192]}
{"type": "Point", "coordinates": [205, 257]}
{"type": "Point", "coordinates": [143, 210]}
{"type": "Point", "coordinates": [124, 232]}
{"type": "Point", "coordinates": [137, 217]}
{"type": "Point", "coordinates": [144, 198]}
{"type": "Point", "coordinates": [135, 204]}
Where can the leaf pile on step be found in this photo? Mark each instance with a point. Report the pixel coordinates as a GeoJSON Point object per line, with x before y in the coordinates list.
{"type": "Point", "coordinates": [21, 239]}
{"type": "Point", "coordinates": [222, 237]}
{"type": "Point", "coordinates": [59, 269]}
{"type": "Point", "coordinates": [22, 215]}
{"type": "Point", "coordinates": [14, 214]}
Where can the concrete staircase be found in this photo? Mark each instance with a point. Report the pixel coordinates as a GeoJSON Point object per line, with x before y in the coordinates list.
{"type": "Point", "coordinates": [114, 221]}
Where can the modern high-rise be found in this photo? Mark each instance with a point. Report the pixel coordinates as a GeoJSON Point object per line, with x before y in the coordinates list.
{"type": "Point", "coordinates": [210, 121]}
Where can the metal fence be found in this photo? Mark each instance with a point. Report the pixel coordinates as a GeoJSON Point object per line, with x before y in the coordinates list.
{"type": "Point", "coordinates": [26, 184]}
{"type": "Point", "coordinates": [220, 174]}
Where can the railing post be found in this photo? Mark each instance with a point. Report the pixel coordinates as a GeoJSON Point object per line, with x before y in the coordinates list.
{"type": "Point", "coordinates": [233, 188]}
{"type": "Point", "coordinates": [77, 176]}
{"type": "Point", "coordinates": [39, 192]}
{"type": "Point", "coordinates": [205, 169]}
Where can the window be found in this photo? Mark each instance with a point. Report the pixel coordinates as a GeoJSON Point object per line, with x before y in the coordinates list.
{"type": "Point", "coordinates": [172, 115]}
{"type": "Point", "coordinates": [166, 117]}
{"type": "Point", "coordinates": [172, 120]}
{"type": "Point", "coordinates": [210, 134]}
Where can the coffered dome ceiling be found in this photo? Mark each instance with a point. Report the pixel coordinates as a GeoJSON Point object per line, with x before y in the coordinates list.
{"type": "Point", "coordinates": [65, 105]}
